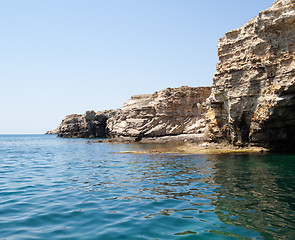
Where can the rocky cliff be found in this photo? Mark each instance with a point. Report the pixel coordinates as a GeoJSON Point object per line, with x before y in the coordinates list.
{"type": "Point", "coordinates": [88, 125]}
{"type": "Point", "coordinates": [252, 101]}
{"type": "Point", "coordinates": [172, 111]}
{"type": "Point", "coordinates": [169, 112]}
{"type": "Point", "coordinates": [253, 92]}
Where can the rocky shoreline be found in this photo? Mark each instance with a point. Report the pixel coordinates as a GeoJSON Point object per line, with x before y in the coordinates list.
{"type": "Point", "coordinates": [250, 105]}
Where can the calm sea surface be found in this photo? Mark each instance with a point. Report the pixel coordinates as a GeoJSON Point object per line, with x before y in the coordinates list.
{"type": "Point", "coordinates": [53, 188]}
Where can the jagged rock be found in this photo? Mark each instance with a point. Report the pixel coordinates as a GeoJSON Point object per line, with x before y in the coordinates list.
{"type": "Point", "coordinates": [253, 93]}
{"type": "Point", "coordinates": [172, 111]}
{"type": "Point", "coordinates": [88, 125]}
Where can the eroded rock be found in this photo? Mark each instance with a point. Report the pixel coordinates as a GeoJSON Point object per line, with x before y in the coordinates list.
{"type": "Point", "coordinates": [171, 111]}
{"type": "Point", "coordinates": [88, 125]}
{"type": "Point", "coordinates": [253, 93]}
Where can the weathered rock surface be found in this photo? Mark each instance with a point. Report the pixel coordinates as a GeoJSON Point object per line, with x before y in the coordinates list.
{"type": "Point", "coordinates": [253, 93]}
{"type": "Point", "coordinates": [88, 125]}
{"type": "Point", "coordinates": [172, 111]}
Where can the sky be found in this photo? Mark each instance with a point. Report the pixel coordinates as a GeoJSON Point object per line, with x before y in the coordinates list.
{"type": "Point", "coordinates": [59, 57]}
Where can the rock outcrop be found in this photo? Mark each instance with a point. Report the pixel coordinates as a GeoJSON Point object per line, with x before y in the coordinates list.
{"type": "Point", "coordinates": [253, 93]}
{"type": "Point", "coordinates": [177, 112]}
{"type": "Point", "coordinates": [169, 112]}
{"type": "Point", "coordinates": [88, 125]}
{"type": "Point", "coordinates": [52, 132]}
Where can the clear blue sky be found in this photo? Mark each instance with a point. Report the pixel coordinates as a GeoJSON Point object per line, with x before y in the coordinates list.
{"type": "Point", "coordinates": [59, 57]}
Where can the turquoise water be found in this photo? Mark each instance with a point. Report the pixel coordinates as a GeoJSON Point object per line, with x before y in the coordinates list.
{"type": "Point", "coordinates": [53, 188]}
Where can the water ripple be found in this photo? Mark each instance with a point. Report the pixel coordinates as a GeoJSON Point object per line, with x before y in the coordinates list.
{"type": "Point", "coordinates": [53, 188]}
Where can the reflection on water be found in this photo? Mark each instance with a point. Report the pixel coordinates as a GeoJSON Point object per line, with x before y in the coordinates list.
{"type": "Point", "coordinates": [252, 196]}
{"type": "Point", "coordinates": [257, 193]}
{"type": "Point", "coordinates": [69, 188]}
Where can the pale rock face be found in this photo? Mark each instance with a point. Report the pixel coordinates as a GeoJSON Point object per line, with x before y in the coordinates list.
{"type": "Point", "coordinates": [137, 100]}
{"type": "Point", "coordinates": [253, 93]}
{"type": "Point", "coordinates": [171, 111]}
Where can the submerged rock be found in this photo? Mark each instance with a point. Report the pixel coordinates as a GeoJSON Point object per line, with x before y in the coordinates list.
{"type": "Point", "coordinates": [253, 93]}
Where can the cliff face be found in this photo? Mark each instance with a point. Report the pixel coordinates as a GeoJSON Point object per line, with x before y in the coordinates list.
{"type": "Point", "coordinates": [172, 111]}
{"type": "Point", "coordinates": [169, 112]}
{"type": "Point", "coordinates": [253, 93]}
{"type": "Point", "coordinates": [88, 125]}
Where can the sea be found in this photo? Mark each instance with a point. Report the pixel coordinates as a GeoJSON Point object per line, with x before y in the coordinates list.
{"type": "Point", "coordinates": [55, 188]}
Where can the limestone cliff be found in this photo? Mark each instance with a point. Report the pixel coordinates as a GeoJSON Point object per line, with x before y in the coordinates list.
{"type": "Point", "coordinates": [253, 93]}
{"type": "Point", "coordinates": [171, 111]}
